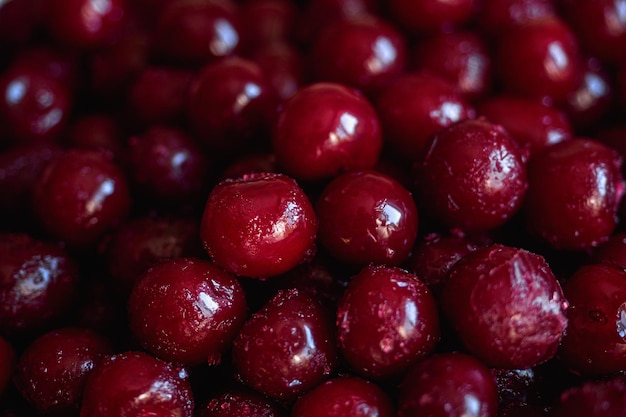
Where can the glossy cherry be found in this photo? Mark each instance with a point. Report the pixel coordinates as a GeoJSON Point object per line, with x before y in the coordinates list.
{"type": "Point", "coordinates": [53, 369]}
{"type": "Point", "coordinates": [386, 321]}
{"type": "Point", "coordinates": [574, 188]}
{"type": "Point", "coordinates": [38, 285]}
{"type": "Point", "coordinates": [506, 306]}
{"type": "Point", "coordinates": [596, 333]}
{"type": "Point", "coordinates": [431, 15]}
{"type": "Point", "coordinates": [135, 383]}
{"type": "Point", "coordinates": [367, 217]}
{"type": "Point", "coordinates": [240, 403]}
{"type": "Point", "coordinates": [448, 384]}
{"type": "Point", "coordinates": [497, 16]}
{"type": "Point", "coordinates": [473, 176]}
{"type": "Point", "coordinates": [286, 348]}
{"type": "Point", "coordinates": [80, 196]}
{"type": "Point", "coordinates": [326, 129]}
{"type": "Point", "coordinates": [415, 106]}
{"type": "Point", "coordinates": [344, 397]}
{"type": "Point", "coordinates": [593, 399]}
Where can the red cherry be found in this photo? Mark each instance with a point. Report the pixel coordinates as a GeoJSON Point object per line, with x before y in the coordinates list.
{"type": "Point", "coordinates": [496, 16]}
{"type": "Point", "coordinates": [266, 22]}
{"type": "Point", "coordinates": [431, 15]}
{"type": "Point", "coordinates": [240, 403]}
{"type": "Point", "coordinates": [284, 68]}
{"type": "Point", "coordinates": [593, 399]}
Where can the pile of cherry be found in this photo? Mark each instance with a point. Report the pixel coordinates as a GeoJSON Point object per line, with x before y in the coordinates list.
{"type": "Point", "coordinates": [312, 208]}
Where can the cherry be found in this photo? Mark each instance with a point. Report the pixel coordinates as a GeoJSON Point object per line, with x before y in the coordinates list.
{"type": "Point", "coordinates": [344, 397]}
{"type": "Point", "coordinates": [473, 176]}
{"type": "Point", "coordinates": [284, 68]}
{"type": "Point", "coordinates": [8, 360]}
{"type": "Point", "coordinates": [506, 306]}
{"type": "Point", "coordinates": [286, 348]}
{"type": "Point", "coordinates": [80, 196]}
{"type": "Point", "coordinates": [593, 399]}
{"type": "Point", "coordinates": [496, 16]}
{"type": "Point", "coordinates": [595, 337]}
{"type": "Point", "coordinates": [431, 15]}
{"type": "Point", "coordinates": [266, 22]}
{"type": "Point", "coordinates": [364, 52]}
{"type": "Point", "coordinates": [186, 310]}
{"type": "Point", "coordinates": [240, 403]}
{"type": "Point", "coordinates": [386, 320]}
{"type": "Point", "coordinates": [415, 106]}
{"type": "Point", "coordinates": [135, 384]}
{"type": "Point", "coordinates": [531, 123]}
{"type": "Point", "coordinates": [448, 384]}
{"type": "Point", "coordinates": [574, 188]}
{"type": "Point", "coordinates": [53, 61]}
{"type": "Point", "coordinates": [38, 285]}
{"type": "Point", "coordinates": [326, 129]}
{"type": "Point", "coordinates": [367, 217]}
{"type": "Point", "coordinates": [52, 371]}
{"type": "Point", "coordinates": [613, 251]}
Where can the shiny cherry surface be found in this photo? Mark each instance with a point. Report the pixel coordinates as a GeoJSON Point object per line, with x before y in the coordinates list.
{"type": "Point", "coordinates": [52, 371]}
{"type": "Point", "coordinates": [386, 321]}
{"type": "Point", "coordinates": [431, 15]}
{"type": "Point", "coordinates": [80, 196]}
{"type": "Point", "coordinates": [240, 403]}
{"type": "Point", "coordinates": [506, 306]}
{"type": "Point", "coordinates": [473, 176]}
{"type": "Point", "coordinates": [415, 106]}
{"type": "Point", "coordinates": [134, 384]}
{"type": "Point", "coordinates": [326, 129]}
{"type": "Point", "coordinates": [367, 217]}
{"type": "Point", "coordinates": [344, 397]}
{"type": "Point", "coordinates": [259, 225]}
{"type": "Point", "coordinates": [286, 348]}
{"type": "Point", "coordinates": [574, 188]}
{"type": "Point", "coordinates": [451, 384]}
{"type": "Point", "coordinates": [596, 334]}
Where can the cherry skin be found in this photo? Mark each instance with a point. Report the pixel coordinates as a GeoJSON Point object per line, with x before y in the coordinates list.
{"type": "Point", "coordinates": [593, 399]}
{"type": "Point", "coordinates": [344, 397]}
{"type": "Point", "coordinates": [240, 403]}
{"type": "Point", "coordinates": [326, 129]}
{"type": "Point", "coordinates": [266, 22]}
{"type": "Point", "coordinates": [186, 311]}
{"type": "Point", "coordinates": [53, 61]}
{"type": "Point", "coordinates": [613, 251]}
{"type": "Point", "coordinates": [415, 106]}
{"type": "Point", "coordinates": [448, 384]}
{"type": "Point", "coordinates": [473, 176]}
{"type": "Point", "coordinates": [363, 52]}
{"type": "Point", "coordinates": [496, 16]}
{"type": "Point", "coordinates": [431, 15]}
{"type": "Point", "coordinates": [574, 189]}
{"type": "Point", "coordinates": [53, 369]}
{"type": "Point", "coordinates": [594, 341]}
{"type": "Point", "coordinates": [134, 384]}
{"type": "Point", "coordinates": [284, 68]}
{"type": "Point", "coordinates": [38, 285]}
{"type": "Point", "coordinates": [531, 123]}
{"type": "Point", "coordinates": [8, 359]}
{"type": "Point", "coordinates": [539, 59]}
{"type": "Point", "coordinates": [286, 348]}
{"type": "Point", "coordinates": [80, 196]}
{"type": "Point", "coordinates": [386, 320]}
{"type": "Point", "coordinates": [367, 217]}
{"type": "Point", "coordinates": [259, 225]}
{"type": "Point", "coordinates": [506, 306]}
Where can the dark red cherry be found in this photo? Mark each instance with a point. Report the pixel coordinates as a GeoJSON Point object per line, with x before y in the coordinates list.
{"type": "Point", "coordinates": [167, 167]}
{"type": "Point", "coordinates": [197, 31]}
{"type": "Point", "coordinates": [532, 124]}
{"type": "Point", "coordinates": [367, 217]}
{"type": "Point", "coordinates": [451, 384]}
{"type": "Point", "coordinates": [34, 106]}
{"type": "Point", "coordinates": [286, 348]}
{"type": "Point", "coordinates": [259, 225]}
{"type": "Point", "coordinates": [496, 16]}
{"type": "Point", "coordinates": [266, 22]}
{"type": "Point", "coordinates": [593, 399]}
{"type": "Point", "coordinates": [283, 66]}
{"type": "Point", "coordinates": [326, 129]}
{"type": "Point", "coordinates": [364, 52]}
{"type": "Point", "coordinates": [240, 403]}
{"type": "Point", "coordinates": [186, 310]}
{"type": "Point", "coordinates": [8, 359]}
{"type": "Point", "coordinates": [232, 106]}
{"type": "Point", "coordinates": [539, 59]}
{"type": "Point", "coordinates": [415, 106]}
{"type": "Point", "coordinates": [462, 58]}
{"type": "Point", "coordinates": [431, 15]}
{"type": "Point", "coordinates": [97, 132]}
{"type": "Point", "coordinates": [85, 24]}
{"type": "Point", "coordinates": [473, 176]}
{"type": "Point", "coordinates": [52, 371]}
{"type": "Point", "coordinates": [386, 321]}
{"type": "Point", "coordinates": [80, 196]}
{"type": "Point", "coordinates": [345, 396]}
{"type": "Point", "coordinates": [53, 61]}
{"type": "Point", "coordinates": [596, 334]}
{"type": "Point", "coordinates": [613, 251]}
{"type": "Point", "coordinates": [38, 285]}
{"type": "Point", "coordinates": [574, 188]}
{"type": "Point", "coordinates": [141, 243]}
{"type": "Point", "coordinates": [159, 95]}
{"type": "Point", "coordinates": [136, 384]}
{"type": "Point", "coordinates": [506, 306]}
